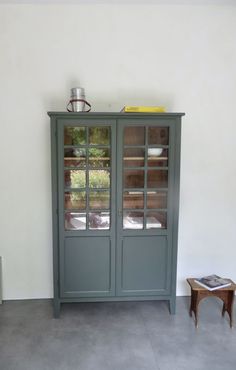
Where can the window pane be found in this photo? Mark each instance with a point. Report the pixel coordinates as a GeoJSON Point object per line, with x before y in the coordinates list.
{"type": "Point", "coordinates": [74, 179]}
{"type": "Point", "coordinates": [99, 135]}
{"type": "Point", "coordinates": [99, 157]}
{"type": "Point", "coordinates": [134, 179]}
{"type": "Point", "coordinates": [156, 199]}
{"type": "Point", "coordinates": [158, 135]}
{"type": "Point", "coordinates": [99, 199]}
{"type": "Point", "coordinates": [75, 221]}
{"type": "Point", "coordinates": [157, 157]}
{"type": "Point", "coordinates": [133, 220]}
{"type": "Point", "coordinates": [75, 157]}
{"type": "Point", "coordinates": [134, 135]}
{"type": "Point", "coordinates": [75, 200]}
{"type": "Point", "coordinates": [156, 220]}
{"type": "Point", "coordinates": [133, 199]}
{"type": "Point", "coordinates": [74, 136]}
{"type": "Point", "coordinates": [134, 157]}
{"type": "Point", "coordinates": [99, 179]}
{"type": "Point", "coordinates": [157, 178]}
{"type": "Point", "coordinates": [99, 220]}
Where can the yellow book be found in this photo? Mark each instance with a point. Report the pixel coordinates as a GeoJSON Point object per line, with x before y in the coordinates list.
{"type": "Point", "coordinates": [143, 109]}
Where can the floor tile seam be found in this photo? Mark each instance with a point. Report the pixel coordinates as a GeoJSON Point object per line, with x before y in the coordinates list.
{"type": "Point", "coordinates": [139, 316]}
{"type": "Point", "coordinates": [154, 350]}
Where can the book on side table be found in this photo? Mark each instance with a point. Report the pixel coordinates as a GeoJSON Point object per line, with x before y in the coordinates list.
{"type": "Point", "coordinates": [213, 282]}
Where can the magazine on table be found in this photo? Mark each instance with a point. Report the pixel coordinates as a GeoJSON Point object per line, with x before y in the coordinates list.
{"type": "Point", "coordinates": [213, 282]}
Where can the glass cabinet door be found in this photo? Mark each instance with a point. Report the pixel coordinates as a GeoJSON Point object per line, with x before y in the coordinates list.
{"type": "Point", "coordinates": [87, 183]}
{"type": "Point", "coordinates": [144, 193]}
{"type": "Point", "coordinates": [145, 177]}
{"type": "Point", "coordinates": [86, 171]}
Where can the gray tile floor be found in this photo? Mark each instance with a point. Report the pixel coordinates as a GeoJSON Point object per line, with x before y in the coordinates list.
{"type": "Point", "coordinates": [115, 336]}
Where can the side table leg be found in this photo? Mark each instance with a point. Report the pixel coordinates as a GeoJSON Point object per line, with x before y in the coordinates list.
{"type": "Point", "coordinates": [231, 303]}
{"type": "Point", "coordinates": [194, 306]}
{"type": "Point", "coordinates": [223, 309]}
{"type": "Point", "coordinates": [191, 304]}
{"type": "Point", "coordinates": [228, 299]}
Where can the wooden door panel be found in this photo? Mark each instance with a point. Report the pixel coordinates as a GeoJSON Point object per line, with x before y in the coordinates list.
{"type": "Point", "coordinates": [87, 266]}
{"type": "Point", "coordinates": [144, 265]}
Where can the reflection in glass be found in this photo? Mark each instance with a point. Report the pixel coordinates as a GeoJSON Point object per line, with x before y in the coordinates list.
{"type": "Point", "coordinates": [99, 179]}
{"type": "Point", "coordinates": [133, 157]}
{"type": "Point", "coordinates": [99, 157]}
{"type": "Point", "coordinates": [99, 220]}
{"type": "Point", "coordinates": [74, 135]}
{"type": "Point", "coordinates": [156, 199]}
{"type": "Point", "coordinates": [75, 200]}
{"type": "Point", "coordinates": [156, 220]}
{"type": "Point", "coordinates": [75, 179]}
{"type": "Point", "coordinates": [134, 135]}
{"type": "Point", "coordinates": [133, 178]}
{"type": "Point", "coordinates": [157, 157]}
{"type": "Point", "coordinates": [158, 135]}
{"type": "Point", "coordinates": [133, 220]}
{"type": "Point", "coordinates": [74, 157]}
{"type": "Point", "coordinates": [157, 178]}
{"type": "Point", "coordinates": [99, 199]}
{"type": "Point", "coordinates": [99, 135]}
{"type": "Point", "coordinates": [133, 199]}
{"type": "Point", "coordinates": [75, 221]}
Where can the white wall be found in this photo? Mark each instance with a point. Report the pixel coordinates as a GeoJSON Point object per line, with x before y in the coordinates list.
{"type": "Point", "coordinates": [181, 56]}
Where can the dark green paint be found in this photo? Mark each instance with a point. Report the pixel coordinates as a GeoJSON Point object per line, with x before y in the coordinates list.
{"type": "Point", "coordinates": [115, 264]}
{"type": "Point", "coordinates": [87, 267]}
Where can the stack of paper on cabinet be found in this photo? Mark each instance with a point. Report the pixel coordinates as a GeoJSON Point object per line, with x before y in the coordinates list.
{"type": "Point", "coordinates": [143, 109]}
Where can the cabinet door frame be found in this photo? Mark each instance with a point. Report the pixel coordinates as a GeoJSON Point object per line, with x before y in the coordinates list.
{"type": "Point", "coordinates": [63, 234]}
{"type": "Point", "coordinates": [172, 208]}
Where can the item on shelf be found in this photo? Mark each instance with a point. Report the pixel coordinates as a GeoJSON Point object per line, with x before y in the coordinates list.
{"type": "Point", "coordinates": [78, 101]}
{"type": "Point", "coordinates": [155, 152]}
{"type": "Point", "coordinates": [143, 109]}
{"type": "Point", "coordinates": [213, 282]}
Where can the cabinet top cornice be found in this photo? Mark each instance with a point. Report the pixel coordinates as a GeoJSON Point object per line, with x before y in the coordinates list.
{"type": "Point", "coordinates": [113, 114]}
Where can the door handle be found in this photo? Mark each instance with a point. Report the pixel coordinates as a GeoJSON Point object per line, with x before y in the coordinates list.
{"type": "Point", "coordinates": [119, 212]}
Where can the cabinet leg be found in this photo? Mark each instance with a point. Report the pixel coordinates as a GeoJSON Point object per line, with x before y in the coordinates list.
{"type": "Point", "coordinates": [172, 305]}
{"type": "Point", "coordinates": [56, 308]}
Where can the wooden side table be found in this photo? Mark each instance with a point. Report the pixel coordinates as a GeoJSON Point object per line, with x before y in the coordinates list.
{"type": "Point", "coordinates": [225, 294]}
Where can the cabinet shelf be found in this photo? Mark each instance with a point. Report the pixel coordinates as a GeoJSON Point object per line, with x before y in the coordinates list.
{"type": "Point", "coordinates": [107, 158]}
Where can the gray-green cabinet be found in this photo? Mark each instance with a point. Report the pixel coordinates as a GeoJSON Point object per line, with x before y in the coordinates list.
{"type": "Point", "coordinates": [115, 196]}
